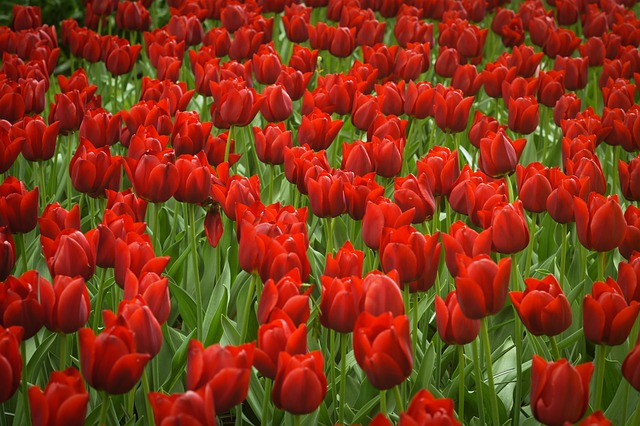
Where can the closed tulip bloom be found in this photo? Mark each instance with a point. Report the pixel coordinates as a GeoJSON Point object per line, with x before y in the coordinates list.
{"type": "Point", "coordinates": [382, 293]}
{"type": "Point", "coordinates": [279, 335]}
{"type": "Point", "coordinates": [93, 170]}
{"type": "Point", "coordinates": [141, 320]}
{"type": "Point", "coordinates": [133, 16]}
{"type": "Point", "coordinates": [234, 103]}
{"type": "Point", "coordinates": [343, 42]}
{"type": "Point", "coordinates": [153, 289]}
{"type": "Point", "coordinates": [482, 126]}
{"type": "Point", "coordinates": [510, 229]}
{"type": "Point", "coordinates": [266, 65]}
{"type": "Point", "coordinates": [284, 295]}
{"type": "Point", "coordinates": [560, 42]}
{"type": "Point", "coordinates": [39, 139]}
{"type": "Point", "coordinates": [55, 219]}
{"type": "Point", "coordinates": [110, 361]}
{"type": "Point", "coordinates": [18, 207]}
{"type": "Point", "coordinates": [346, 262]}
{"type": "Point", "coordinates": [560, 204]}
{"type": "Point", "coordinates": [295, 20]}
{"type": "Point", "coordinates": [442, 167]}
{"type": "Point", "coordinates": [452, 111]}
{"type": "Point", "coordinates": [10, 361]}
{"type": "Point", "coordinates": [559, 391]}
{"type": "Point", "coordinates": [138, 257]}
{"type": "Point", "coordinates": [67, 306]}
{"type": "Point", "coordinates": [101, 127]}
{"type": "Point", "coordinates": [318, 130]}
{"type": "Point", "coordinates": [195, 177]}
{"type": "Point", "coordinates": [21, 302]}
{"type": "Point", "coordinates": [69, 254]}
{"type": "Point", "coordinates": [413, 192]}
{"type": "Point", "coordinates": [193, 408]}
{"type": "Point", "coordinates": [63, 401]}
{"type": "Point", "coordinates": [340, 303]}
{"type": "Point", "coordinates": [482, 285]}
{"type": "Point", "coordinates": [120, 57]}
{"type": "Point", "coordinates": [607, 317]}
{"type": "Point", "coordinates": [534, 186]}
{"type": "Point", "coordinates": [365, 110]}
{"type": "Point", "coordinates": [447, 62]}
{"type": "Point", "coordinates": [189, 134]}
{"type": "Point", "coordinates": [382, 348]}
{"type": "Point", "coordinates": [326, 194]}
{"type": "Point", "coordinates": [523, 115]}
{"type": "Point", "coordinates": [630, 178]}
{"type": "Point", "coordinates": [379, 215]}
{"type": "Point", "coordinates": [25, 17]}
{"type": "Point", "coordinates": [542, 307]}
{"type": "Point", "coordinates": [387, 155]}
{"type": "Point", "coordinates": [220, 366]}
{"type": "Point", "coordinates": [550, 87]}
{"type": "Point", "coordinates": [358, 194]}
{"type": "Point", "coordinates": [425, 409]}
{"type": "Point", "coordinates": [300, 384]}
{"type": "Point", "coordinates": [271, 141]}
{"type": "Point", "coordinates": [499, 154]}
{"type": "Point", "coordinates": [600, 222]}
{"type": "Point", "coordinates": [463, 239]}
{"type": "Point", "coordinates": [631, 241]}
{"type": "Point", "coordinates": [567, 107]}
{"type": "Point", "coordinates": [454, 327]}
{"type": "Point", "coordinates": [277, 105]}
{"type": "Point", "coordinates": [576, 72]}
{"type": "Point", "coordinates": [631, 367]}
{"type": "Point", "coordinates": [155, 177]}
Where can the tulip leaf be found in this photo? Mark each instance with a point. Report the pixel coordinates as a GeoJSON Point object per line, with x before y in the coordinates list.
{"type": "Point", "coordinates": [504, 371]}
{"type": "Point", "coordinates": [216, 308]}
{"type": "Point", "coordinates": [230, 335]}
{"type": "Point", "coordinates": [186, 304]}
{"type": "Point", "coordinates": [178, 363]}
{"type": "Point", "coordinates": [617, 412]}
{"type": "Point", "coordinates": [36, 362]}
{"type": "Point", "coordinates": [425, 371]}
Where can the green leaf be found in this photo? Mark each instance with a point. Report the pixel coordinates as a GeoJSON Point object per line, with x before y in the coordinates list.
{"type": "Point", "coordinates": [186, 304]}
{"type": "Point", "coordinates": [230, 335]}
{"type": "Point", "coordinates": [178, 362]}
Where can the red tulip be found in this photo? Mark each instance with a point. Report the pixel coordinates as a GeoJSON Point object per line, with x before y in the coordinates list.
{"type": "Point", "coordinates": [462, 239]}
{"type": "Point", "coordinates": [303, 59]}
{"type": "Point", "coordinates": [295, 20]}
{"type": "Point", "coordinates": [318, 130]}
{"type": "Point", "coordinates": [382, 293]}
{"type": "Point", "coordinates": [219, 366]}
{"type": "Point", "coordinates": [365, 109]}
{"type": "Point", "coordinates": [279, 335]}
{"type": "Point", "coordinates": [25, 17]}
{"type": "Point", "coordinates": [576, 72]}
{"type": "Point", "coordinates": [631, 367]}
{"type": "Point", "coordinates": [382, 348]}
{"type": "Point", "coordinates": [454, 327]}
{"type": "Point", "coordinates": [326, 194]}
{"type": "Point", "coordinates": [340, 303]}
{"type": "Point", "coordinates": [482, 126]}
{"type": "Point", "coordinates": [10, 361]}
{"type": "Point", "coordinates": [596, 419]}
{"type": "Point", "coordinates": [125, 202]}
{"type": "Point", "coordinates": [18, 207]}
{"type": "Point", "coordinates": [194, 174]}
{"type": "Point", "coordinates": [534, 186]}
{"type": "Point", "coordinates": [379, 215]}
{"type": "Point", "coordinates": [277, 105]}
{"type": "Point", "coordinates": [133, 16]}
{"type": "Point", "coordinates": [193, 408]}
{"type": "Point", "coordinates": [607, 318]}
{"type": "Point", "coordinates": [186, 28]}
{"type": "Point", "coordinates": [300, 384]}
{"type": "Point", "coordinates": [499, 155]}
{"type": "Point", "coordinates": [426, 409]}
{"type": "Point", "coordinates": [266, 65]}
{"type": "Point", "coordinates": [442, 167]}
{"type": "Point", "coordinates": [550, 87]}
{"type": "Point", "coordinates": [510, 228]}
{"type": "Point", "coordinates": [415, 193]}
{"type": "Point", "coordinates": [110, 361]}
{"type": "Point", "coordinates": [560, 42]}
{"type": "Point", "coordinates": [284, 296]}
{"type": "Point", "coordinates": [93, 170]}
{"type": "Point", "coordinates": [482, 285]}
{"type": "Point", "coordinates": [600, 223]}
{"type": "Point", "coordinates": [155, 177]}
{"type": "Point", "coordinates": [452, 111]}
{"type": "Point", "coordinates": [628, 174]}
{"type": "Point", "coordinates": [559, 391]}
{"type": "Point", "coordinates": [542, 307]}
{"type": "Point", "coordinates": [523, 115]}
{"type": "Point", "coordinates": [21, 302]}
{"type": "Point", "coordinates": [100, 127]}
{"type": "Point", "coordinates": [141, 320]}
{"type": "Point", "coordinates": [39, 139]}
{"type": "Point", "coordinates": [139, 257]}
{"type": "Point", "coordinates": [153, 289]}
{"type": "Point", "coordinates": [345, 263]}
{"type": "Point", "coordinates": [64, 400]}
{"type": "Point", "coordinates": [189, 134]}
{"type": "Point", "coordinates": [567, 107]}
{"type": "Point", "coordinates": [67, 305]}
{"type": "Point", "coordinates": [234, 103]}
{"type": "Point", "coordinates": [119, 56]}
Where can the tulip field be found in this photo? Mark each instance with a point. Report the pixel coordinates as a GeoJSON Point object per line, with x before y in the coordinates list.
{"type": "Point", "coordinates": [322, 212]}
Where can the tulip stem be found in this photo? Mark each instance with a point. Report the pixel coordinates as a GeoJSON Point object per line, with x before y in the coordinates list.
{"type": "Point", "coordinates": [331, 365]}
{"type": "Point", "coordinates": [601, 359]}
{"type": "Point", "coordinates": [616, 157]}
{"type": "Point", "coordinates": [196, 272]}
{"type": "Point", "coordinates": [517, 396]}
{"type": "Point", "coordinates": [416, 318]}
{"type": "Point", "coordinates": [383, 402]}
{"type": "Point", "coordinates": [227, 147]}
{"type": "Point", "coordinates": [104, 408]}
{"type": "Point", "coordinates": [296, 419]}
{"type": "Point", "coordinates": [489, 366]}
{"type": "Point", "coordinates": [68, 161]}
{"type": "Point", "coordinates": [99, 300]}
{"type": "Point", "coordinates": [461, 363]}
{"type": "Point", "coordinates": [532, 233]}
{"type": "Point", "coordinates": [396, 393]}
{"type": "Point", "coordinates": [43, 185]}
{"type": "Point", "coordinates": [602, 261]}
{"type": "Point", "coordinates": [478, 378]}
{"type": "Point", "coordinates": [343, 374]}
{"type": "Point", "coordinates": [636, 416]}
{"type": "Point", "coordinates": [563, 256]}
{"type": "Point", "coordinates": [147, 403]}
{"type": "Point", "coordinates": [247, 307]}
{"type": "Point", "coordinates": [264, 418]}
{"type": "Point", "coordinates": [63, 340]}
{"type": "Point", "coordinates": [25, 384]}
{"type": "Point", "coordinates": [22, 247]}
{"type": "Point", "coordinates": [554, 348]}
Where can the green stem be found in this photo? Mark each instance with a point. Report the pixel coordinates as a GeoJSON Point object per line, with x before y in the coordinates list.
{"type": "Point", "coordinates": [517, 397]}
{"type": "Point", "coordinates": [196, 272]}
{"type": "Point", "coordinates": [461, 363]}
{"type": "Point", "coordinates": [601, 358]}
{"type": "Point", "coordinates": [331, 365]}
{"type": "Point", "coordinates": [563, 256]}
{"type": "Point", "coordinates": [63, 340]}
{"type": "Point", "coordinates": [602, 261]}
{"type": "Point", "coordinates": [264, 418]}
{"type": "Point", "coordinates": [43, 185]}
{"type": "Point", "coordinates": [396, 393]}
{"type": "Point", "coordinates": [343, 374]}
{"type": "Point", "coordinates": [98, 310]}
{"type": "Point", "coordinates": [147, 403]}
{"type": "Point", "coordinates": [156, 228]}
{"type": "Point", "coordinates": [554, 348]}
{"type": "Point", "coordinates": [297, 419]}
{"type": "Point", "coordinates": [239, 415]}
{"type": "Point", "coordinates": [495, 416]}
{"type": "Point", "coordinates": [227, 147]}
{"type": "Point", "coordinates": [416, 318]}
{"type": "Point", "coordinates": [636, 416]}
{"type": "Point", "coordinates": [532, 233]}
{"type": "Point", "coordinates": [478, 378]}
{"type": "Point", "coordinates": [329, 235]}
{"type": "Point", "coordinates": [383, 402]}
{"type": "Point", "coordinates": [104, 408]}
{"type": "Point", "coordinates": [25, 382]}
{"type": "Point", "coordinates": [247, 307]}
{"type": "Point", "coordinates": [131, 399]}
{"type": "Point", "coordinates": [22, 247]}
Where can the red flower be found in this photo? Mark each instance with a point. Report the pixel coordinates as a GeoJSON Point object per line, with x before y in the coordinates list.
{"type": "Point", "coordinates": [155, 177]}
{"type": "Point", "coordinates": [442, 167]}
{"type": "Point", "coordinates": [600, 223]}
{"type": "Point", "coordinates": [318, 130]}
{"type": "Point", "coordinates": [607, 318]}
{"type": "Point", "coordinates": [277, 105]}
{"type": "Point", "coordinates": [425, 409]}
{"type": "Point", "coordinates": [482, 285]}
{"type": "Point", "coordinates": [100, 127]}
{"type": "Point", "coordinates": [193, 408]}
{"type": "Point", "coordinates": [10, 361]}
{"type": "Point", "coordinates": [266, 65]}
{"type": "Point", "coordinates": [576, 72]}
{"type": "Point", "coordinates": [300, 384]}
{"type": "Point", "coordinates": [542, 307]}
{"type": "Point", "coordinates": [295, 20]}
{"type": "Point", "coordinates": [482, 126]}
{"type": "Point", "coordinates": [279, 335]}
{"type": "Point", "coordinates": [326, 194]}
{"type": "Point", "coordinates": [64, 400]}
{"type": "Point", "coordinates": [25, 17]}
{"type": "Point", "coordinates": [550, 87]}
{"type": "Point", "coordinates": [303, 59]}
{"type": "Point", "coordinates": [345, 263]}
{"type": "Point", "coordinates": [141, 320]}
{"type": "Point", "coordinates": [454, 327]}
{"type": "Point", "coordinates": [186, 28]}
{"type": "Point", "coordinates": [510, 230]}
{"type": "Point", "coordinates": [284, 296]}
{"type": "Point", "coordinates": [195, 178]}
{"type": "Point", "coordinates": [124, 202]}
{"type": "Point", "coordinates": [67, 306]}
{"type": "Point", "coordinates": [20, 302]}
{"type": "Point", "coordinates": [219, 366]}
{"type": "Point", "coordinates": [93, 170]}
{"type": "Point", "coordinates": [18, 208]}
{"type": "Point", "coordinates": [523, 115]}
{"type": "Point", "coordinates": [499, 155]}
{"type": "Point", "coordinates": [567, 107]}
{"type": "Point", "coordinates": [189, 134]}
{"type": "Point", "coordinates": [382, 293]}
{"type": "Point", "coordinates": [631, 241]}
{"type": "Point", "coordinates": [343, 42]}
{"type": "Point", "coordinates": [631, 367]}
{"type": "Point", "coordinates": [153, 289]}
{"type": "Point", "coordinates": [340, 303]}
{"type": "Point", "coordinates": [7, 252]}
{"type": "Point", "coordinates": [452, 111]}
{"type": "Point", "coordinates": [387, 154]}
{"type": "Point", "coordinates": [382, 348]}
{"type": "Point", "coordinates": [629, 178]}
{"type": "Point", "coordinates": [365, 109]}
{"type": "Point", "coordinates": [69, 254]}
{"type": "Point", "coordinates": [379, 215]}
{"type": "Point", "coordinates": [559, 391]}
{"type": "Point", "coordinates": [133, 16]}
{"type": "Point", "coordinates": [412, 192]}
{"type": "Point", "coordinates": [138, 257]}
{"type": "Point", "coordinates": [462, 239]}
{"type": "Point", "coordinates": [234, 104]}
{"type": "Point", "coordinates": [534, 186]}
{"type": "Point", "coordinates": [110, 361]}
{"type": "Point", "coordinates": [119, 56]}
